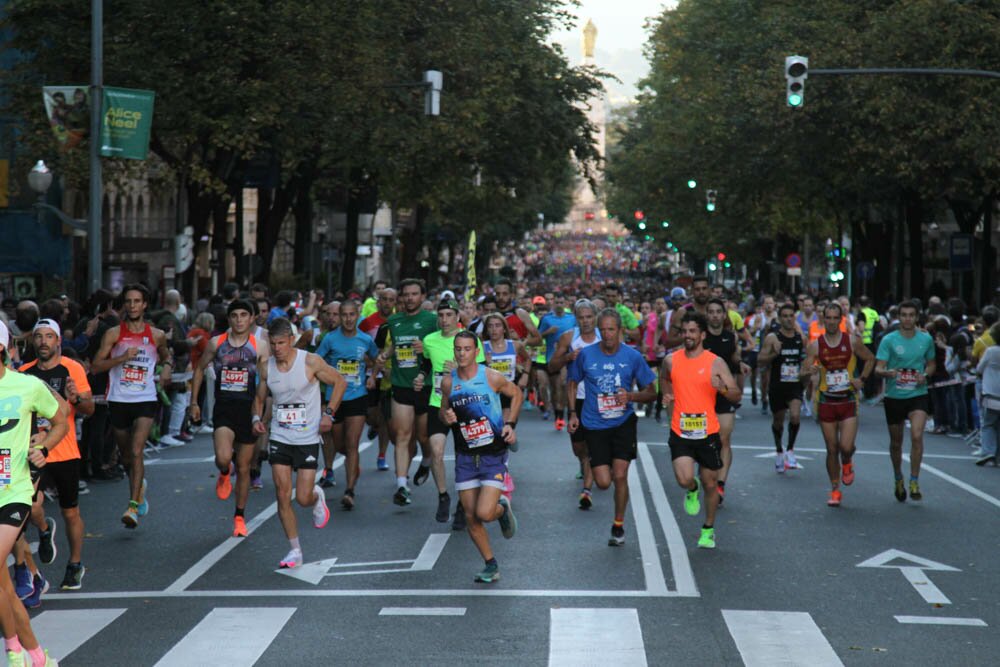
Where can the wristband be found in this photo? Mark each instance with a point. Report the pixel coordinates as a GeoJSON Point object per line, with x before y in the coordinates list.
{"type": "Point", "coordinates": [328, 411]}
{"type": "Point", "coordinates": [43, 450]}
{"type": "Point", "coordinates": [511, 424]}
{"type": "Point", "coordinates": [255, 419]}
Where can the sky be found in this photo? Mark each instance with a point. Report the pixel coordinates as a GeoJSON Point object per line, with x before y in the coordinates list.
{"type": "Point", "coordinates": [620, 39]}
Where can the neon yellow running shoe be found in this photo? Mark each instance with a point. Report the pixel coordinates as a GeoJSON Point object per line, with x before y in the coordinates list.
{"type": "Point", "coordinates": [707, 539]}
{"type": "Point", "coordinates": [691, 504]}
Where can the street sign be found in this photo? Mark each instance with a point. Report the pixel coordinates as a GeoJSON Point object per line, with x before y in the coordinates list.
{"type": "Point", "coordinates": [793, 260]}
{"type": "Point", "coordinates": [866, 270]}
{"type": "Point", "coordinates": [960, 255]}
{"type": "Point", "coordinates": [794, 270]}
{"type": "Point", "coordinates": [913, 568]}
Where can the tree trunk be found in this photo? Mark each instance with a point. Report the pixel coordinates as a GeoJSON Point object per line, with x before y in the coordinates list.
{"type": "Point", "coordinates": [914, 218]}
{"type": "Point", "coordinates": [272, 209]}
{"type": "Point", "coordinates": [412, 241]}
{"type": "Point", "coordinates": [987, 255]}
{"type": "Point", "coordinates": [350, 238]}
{"type": "Point", "coordinates": [303, 213]}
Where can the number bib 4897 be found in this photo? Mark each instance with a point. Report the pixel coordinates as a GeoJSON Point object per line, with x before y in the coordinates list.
{"type": "Point", "coordinates": [610, 406]}
{"type": "Point", "coordinates": [694, 426]}
{"type": "Point", "coordinates": [292, 416]}
{"type": "Point", "coordinates": [234, 379]}
{"type": "Point", "coordinates": [838, 381]}
{"type": "Point", "coordinates": [478, 433]}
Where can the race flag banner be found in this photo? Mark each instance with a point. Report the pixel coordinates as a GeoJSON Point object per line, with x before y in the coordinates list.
{"type": "Point", "coordinates": [68, 111]}
{"type": "Point", "coordinates": [128, 118]}
{"type": "Point", "coordinates": [470, 268]}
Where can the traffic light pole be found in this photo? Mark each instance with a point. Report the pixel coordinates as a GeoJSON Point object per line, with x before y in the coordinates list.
{"type": "Point", "coordinates": [919, 71]}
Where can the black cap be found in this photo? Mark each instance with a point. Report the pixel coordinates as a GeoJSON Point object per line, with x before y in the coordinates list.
{"type": "Point", "coordinates": [240, 304]}
{"type": "Point", "coordinates": [447, 304]}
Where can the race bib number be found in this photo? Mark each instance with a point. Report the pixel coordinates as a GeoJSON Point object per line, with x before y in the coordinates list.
{"type": "Point", "coordinates": [134, 377]}
{"type": "Point", "coordinates": [4, 468]}
{"type": "Point", "coordinates": [505, 367]}
{"type": "Point", "coordinates": [292, 416]}
{"type": "Point", "coordinates": [838, 381]}
{"type": "Point", "coordinates": [907, 379]}
{"type": "Point", "coordinates": [438, 377]}
{"type": "Point", "coordinates": [610, 406]}
{"type": "Point", "coordinates": [789, 372]}
{"type": "Point", "coordinates": [351, 370]}
{"type": "Point", "coordinates": [234, 379]}
{"type": "Point", "coordinates": [406, 357]}
{"type": "Point", "coordinates": [694, 426]}
{"type": "Point", "coordinates": [478, 433]}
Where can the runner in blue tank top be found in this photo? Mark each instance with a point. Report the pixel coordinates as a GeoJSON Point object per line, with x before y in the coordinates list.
{"type": "Point", "coordinates": [470, 404]}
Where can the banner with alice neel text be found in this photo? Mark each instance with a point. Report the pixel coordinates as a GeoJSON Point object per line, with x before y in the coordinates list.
{"type": "Point", "coordinates": [127, 121]}
{"type": "Point", "coordinates": [68, 111]}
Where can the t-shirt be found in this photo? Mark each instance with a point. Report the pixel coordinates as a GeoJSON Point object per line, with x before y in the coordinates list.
{"type": "Point", "coordinates": [347, 355]}
{"type": "Point", "coordinates": [407, 330]}
{"type": "Point", "coordinates": [564, 322]}
{"type": "Point", "coordinates": [20, 395]}
{"type": "Point", "coordinates": [629, 320]}
{"type": "Point", "coordinates": [908, 356]}
{"type": "Point", "coordinates": [440, 349]}
{"type": "Point", "coordinates": [67, 369]}
{"type": "Point", "coordinates": [980, 345]}
{"type": "Point", "coordinates": [603, 375]}
{"type": "Point", "coordinates": [368, 307]}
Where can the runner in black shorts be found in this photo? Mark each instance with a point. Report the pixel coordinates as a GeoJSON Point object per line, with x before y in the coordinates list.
{"type": "Point", "coordinates": [724, 344]}
{"type": "Point", "coordinates": [783, 351]}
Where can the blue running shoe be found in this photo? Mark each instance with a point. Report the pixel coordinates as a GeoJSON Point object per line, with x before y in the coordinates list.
{"type": "Point", "coordinates": [22, 581]}
{"type": "Point", "coordinates": [143, 508]}
{"type": "Point", "coordinates": [41, 587]}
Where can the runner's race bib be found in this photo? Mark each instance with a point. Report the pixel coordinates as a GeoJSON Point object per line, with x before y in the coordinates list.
{"type": "Point", "coordinates": [838, 381]}
{"type": "Point", "coordinates": [234, 379]}
{"type": "Point", "coordinates": [907, 379]}
{"type": "Point", "coordinates": [789, 372]}
{"type": "Point", "coordinates": [610, 406]}
{"type": "Point", "coordinates": [694, 426]}
{"type": "Point", "coordinates": [438, 377]}
{"type": "Point", "coordinates": [4, 468]}
{"type": "Point", "coordinates": [292, 416]}
{"type": "Point", "coordinates": [406, 356]}
{"type": "Point", "coordinates": [478, 433]}
{"type": "Point", "coordinates": [505, 367]}
{"type": "Point", "coordinates": [134, 377]}
{"type": "Point", "coordinates": [351, 370]}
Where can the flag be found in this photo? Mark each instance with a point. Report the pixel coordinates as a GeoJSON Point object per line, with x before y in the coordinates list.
{"type": "Point", "coordinates": [470, 268]}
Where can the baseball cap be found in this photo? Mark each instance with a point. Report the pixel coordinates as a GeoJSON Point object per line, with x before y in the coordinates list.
{"type": "Point", "coordinates": [538, 301]}
{"type": "Point", "coordinates": [448, 304]}
{"type": "Point", "coordinates": [447, 294]}
{"type": "Point", "coordinates": [240, 304]}
{"type": "Point", "coordinates": [678, 293]}
{"type": "Point", "coordinates": [47, 324]}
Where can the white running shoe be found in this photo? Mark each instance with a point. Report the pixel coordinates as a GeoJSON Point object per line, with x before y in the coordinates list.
{"type": "Point", "coordinates": [807, 409]}
{"type": "Point", "coordinates": [321, 513]}
{"type": "Point", "coordinates": [170, 441]}
{"type": "Point", "coordinates": [790, 461]}
{"type": "Point", "coordinates": [292, 559]}
{"type": "Point", "coordinates": [779, 463]}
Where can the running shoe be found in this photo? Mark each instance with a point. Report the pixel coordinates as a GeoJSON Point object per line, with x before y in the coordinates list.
{"type": "Point", "coordinates": [779, 463]}
{"type": "Point", "coordinates": [444, 508]}
{"type": "Point", "coordinates": [807, 409]}
{"type": "Point", "coordinates": [256, 481]}
{"type": "Point", "coordinates": [835, 497]}
{"type": "Point", "coordinates": [73, 581]}
{"type": "Point", "coordinates": [617, 538]}
{"type": "Point", "coordinates": [847, 473]}
{"type": "Point", "coordinates": [691, 503]}
{"type": "Point", "coordinates": [900, 490]}
{"type": "Point", "coordinates": [546, 415]}
{"type": "Point", "coordinates": [239, 526]}
{"type": "Point", "coordinates": [721, 488]}
{"type": "Point", "coordinates": [459, 521]}
{"type": "Point", "coordinates": [381, 464]}
{"type": "Point", "coordinates": [347, 502]}
{"type": "Point", "coordinates": [707, 539]}
{"type": "Point", "coordinates": [560, 424]}
{"type": "Point", "coordinates": [402, 496]}
{"type": "Point", "coordinates": [131, 516]}
{"type": "Point", "coordinates": [791, 463]}
{"type": "Point", "coordinates": [46, 542]}
{"type": "Point", "coordinates": [41, 586]}
{"type": "Point", "coordinates": [16, 659]}
{"type": "Point", "coordinates": [292, 559]}
{"type": "Point", "coordinates": [763, 407]}
{"type": "Point", "coordinates": [915, 490]}
{"type": "Point", "coordinates": [224, 484]}
{"type": "Point", "coordinates": [423, 472]}
{"type": "Point", "coordinates": [321, 513]}
{"type": "Point", "coordinates": [143, 508]}
{"type": "Point", "coordinates": [585, 500]}
{"type": "Point", "coordinates": [986, 458]}
{"type": "Point", "coordinates": [372, 432]}
{"type": "Point", "coordinates": [49, 661]}
{"type": "Point", "coordinates": [170, 441]}
{"type": "Point", "coordinates": [490, 574]}
{"type": "Point", "coordinates": [507, 520]}
{"type": "Point", "coordinates": [22, 581]}
{"type": "Point", "coordinates": [326, 480]}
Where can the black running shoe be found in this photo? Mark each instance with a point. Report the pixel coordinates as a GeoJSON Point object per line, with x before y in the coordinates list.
{"type": "Point", "coordinates": [459, 522]}
{"type": "Point", "coordinates": [423, 472]}
{"type": "Point", "coordinates": [617, 536]}
{"type": "Point", "coordinates": [402, 496]}
{"type": "Point", "coordinates": [444, 508]}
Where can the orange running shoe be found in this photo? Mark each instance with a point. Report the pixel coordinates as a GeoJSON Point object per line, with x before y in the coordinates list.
{"type": "Point", "coordinates": [223, 486]}
{"type": "Point", "coordinates": [835, 497]}
{"type": "Point", "coordinates": [560, 424]}
{"type": "Point", "coordinates": [847, 473]}
{"type": "Point", "coordinates": [239, 527]}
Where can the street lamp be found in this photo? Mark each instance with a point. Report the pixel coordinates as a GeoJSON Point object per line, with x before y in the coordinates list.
{"type": "Point", "coordinates": [40, 180]}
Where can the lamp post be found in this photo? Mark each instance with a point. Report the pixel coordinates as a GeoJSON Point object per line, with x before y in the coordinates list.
{"type": "Point", "coordinates": [40, 180]}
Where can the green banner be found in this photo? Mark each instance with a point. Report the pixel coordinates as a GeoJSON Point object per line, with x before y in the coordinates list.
{"type": "Point", "coordinates": [128, 118]}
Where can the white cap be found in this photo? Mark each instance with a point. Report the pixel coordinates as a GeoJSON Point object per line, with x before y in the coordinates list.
{"type": "Point", "coordinates": [48, 324]}
{"type": "Point", "coordinates": [447, 294]}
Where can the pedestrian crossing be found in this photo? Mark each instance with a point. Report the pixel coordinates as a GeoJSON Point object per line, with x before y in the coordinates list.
{"type": "Point", "coordinates": [577, 636]}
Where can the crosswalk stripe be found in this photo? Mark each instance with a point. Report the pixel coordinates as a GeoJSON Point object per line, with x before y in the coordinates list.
{"type": "Point", "coordinates": [767, 638]}
{"type": "Point", "coordinates": [579, 637]}
{"type": "Point", "coordinates": [209, 641]}
{"type": "Point", "coordinates": [63, 631]}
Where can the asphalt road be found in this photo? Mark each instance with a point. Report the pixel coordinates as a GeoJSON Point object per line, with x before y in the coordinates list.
{"type": "Point", "coordinates": [386, 585]}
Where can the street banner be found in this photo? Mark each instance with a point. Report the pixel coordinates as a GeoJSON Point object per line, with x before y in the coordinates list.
{"type": "Point", "coordinates": [68, 111]}
{"type": "Point", "coordinates": [128, 118]}
{"type": "Point", "coordinates": [470, 268]}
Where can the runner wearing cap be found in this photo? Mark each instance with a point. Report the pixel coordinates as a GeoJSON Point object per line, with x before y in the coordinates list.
{"type": "Point", "coordinates": [129, 354]}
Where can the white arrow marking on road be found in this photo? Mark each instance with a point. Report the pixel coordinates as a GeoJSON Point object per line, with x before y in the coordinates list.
{"type": "Point", "coordinates": [314, 572]}
{"type": "Point", "coordinates": [914, 573]}
{"type": "Point", "coordinates": [771, 455]}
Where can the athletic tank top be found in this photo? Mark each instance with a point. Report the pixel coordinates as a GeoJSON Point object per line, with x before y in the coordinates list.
{"type": "Point", "coordinates": [786, 367]}
{"type": "Point", "coordinates": [235, 370]}
{"type": "Point", "coordinates": [134, 381]}
{"type": "Point", "coordinates": [836, 370]}
{"type": "Point", "coordinates": [515, 323]}
{"type": "Point", "coordinates": [578, 343]}
{"type": "Point", "coordinates": [503, 361]}
{"type": "Point", "coordinates": [723, 346]}
{"type": "Point", "coordinates": [295, 413]}
{"type": "Point", "coordinates": [480, 416]}
{"type": "Point", "coordinates": [694, 396]}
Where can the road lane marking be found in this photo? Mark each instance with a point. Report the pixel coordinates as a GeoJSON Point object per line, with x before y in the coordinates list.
{"type": "Point", "coordinates": [767, 638]}
{"type": "Point", "coordinates": [652, 568]}
{"type": "Point", "coordinates": [230, 635]}
{"type": "Point", "coordinates": [677, 551]}
{"type": "Point", "coordinates": [913, 569]}
{"type": "Point", "coordinates": [174, 462]}
{"type": "Point", "coordinates": [63, 631]}
{"type": "Point", "coordinates": [595, 637]}
{"type": "Point", "coordinates": [209, 560]}
{"type": "Point", "coordinates": [314, 572]}
{"type": "Point", "coordinates": [422, 611]}
{"type": "Point", "coordinates": [363, 592]}
{"type": "Point", "coordinates": [957, 482]}
{"type": "Point", "coordinates": [949, 457]}
{"type": "Point", "coordinates": [942, 620]}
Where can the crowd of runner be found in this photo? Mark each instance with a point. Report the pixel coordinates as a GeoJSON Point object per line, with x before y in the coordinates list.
{"type": "Point", "coordinates": [294, 380]}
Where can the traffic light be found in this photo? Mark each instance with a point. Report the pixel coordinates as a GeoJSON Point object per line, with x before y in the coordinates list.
{"type": "Point", "coordinates": [726, 264]}
{"type": "Point", "coordinates": [796, 73]}
{"type": "Point", "coordinates": [692, 184]}
{"type": "Point", "coordinates": [665, 224]}
{"type": "Point", "coordinates": [721, 256]}
{"type": "Point", "coordinates": [639, 215]}
{"type": "Point", "coordinates": [642, 226]}
{"type": "Point", "coordinates": [712, 266]}
{"type": "Point", "coordinates": [710, 196]}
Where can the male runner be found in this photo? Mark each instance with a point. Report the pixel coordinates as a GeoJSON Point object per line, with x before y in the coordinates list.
{"type": "Point", "coordinates": [292, 378]}
{"type": "Point", "coordinates": [518, 318]}
{"type": "Point", "coordinates": [551, 327]}
{"type": "Point", "coordinates": [233, 356]}
{"type": "Point", "coordinates": [379, 397]}
{"type": "Point", "coordinates": [723, 344]}
{"type": "Point", "coordinates": [837, 392]}
{"type": "Point", "coordinates": [691, 378]}
{"type": "Point", "coordinates": [906, 358]}
{"type": "Point", "coordinates": [129, 354]}
{"type": "Point", "coordinates": [67, 378]}
{"type": "Point", "coordinates": [630, 323]}
{"type": "Point", "coordinates": [470, 404]}
{"type": "Point", "coordinates": [766, 322]}
{"type": "Point", "coordinates": [608, 370]}
{"type": "Point", "coordinates": [783, 351]}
